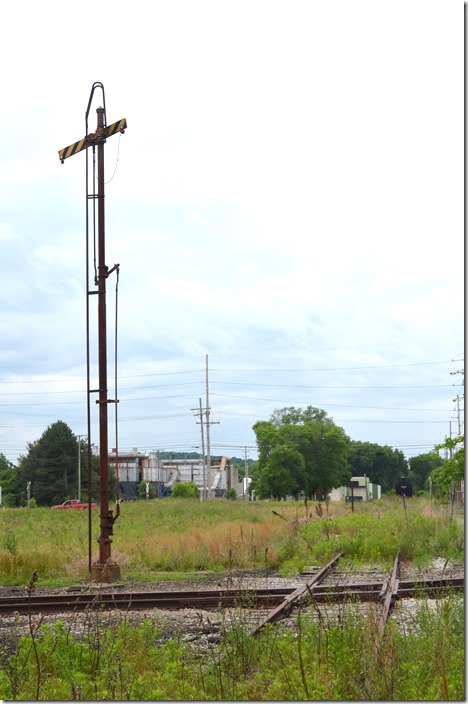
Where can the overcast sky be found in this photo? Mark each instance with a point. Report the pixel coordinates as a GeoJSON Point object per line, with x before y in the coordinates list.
{"type": "Point", "coordinates": [287, 200]}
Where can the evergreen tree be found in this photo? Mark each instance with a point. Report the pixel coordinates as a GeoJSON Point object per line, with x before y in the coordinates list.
{"type": "Point", "coordinates": [51, 465]}
{"type": "Point", "coordinates": [7, 480]}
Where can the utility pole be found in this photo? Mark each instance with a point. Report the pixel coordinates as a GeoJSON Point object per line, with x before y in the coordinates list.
{"type": "Point", "coordinates": [457, 399]}
{"type": "Point", "coordinates": [203, 451]}
{"type": "Point", "coordinates": [208, 423]}
{"type": "Point", "coordinates": [78, 493]}
{"type": "Point", "coordinates": [207, 463]}
{"type": "Point", "coordinates": [208, 449]}
{"type": "Point", "coordinates": [451, 449]}
{"type": "Point", "coordinates": [246, 478]}
{"type": "Point", "coordinates": [105, 570]}
{"type": "Point", "coordinates": [158, 459]}
{"type": "Point", "coordinates": [200, 415]}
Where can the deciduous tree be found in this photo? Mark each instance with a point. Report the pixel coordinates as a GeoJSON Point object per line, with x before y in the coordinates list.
{"type": "Point", "coordinates": [309, 434]}
{"type": "Point", "coordinates": [283, 472]}
{"type": "Point", "coordinates": [451, 470]}
{"type": "Point", "coordinates": [420, 468]}
{"type": "Point", "coordinates": [381, 463]}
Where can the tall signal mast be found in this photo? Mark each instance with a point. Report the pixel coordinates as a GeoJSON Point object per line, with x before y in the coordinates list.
{"type": "Point", "coordinates": [105, 570]}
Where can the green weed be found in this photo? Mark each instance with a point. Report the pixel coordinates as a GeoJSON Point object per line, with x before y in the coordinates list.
{"type": "Point", "coordinates": [176, 536]}
{"type": "Point", "coordinates": [317, 661]}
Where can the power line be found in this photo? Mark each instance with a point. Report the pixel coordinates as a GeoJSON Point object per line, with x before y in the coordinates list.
{"type": "Point", "coordinates": [334, 405]}
{"type": "Point", "coordinates": [337, 369]}
{"type": "Point", "coordinates": [195, 371]}
{"type": "Point", "coordinates": [308, 386]}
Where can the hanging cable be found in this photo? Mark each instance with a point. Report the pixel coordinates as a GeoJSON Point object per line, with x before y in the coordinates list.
{"type": "Point", "coordinates": [88, 364]}
{"type": "Point", "coordinates": [94, 215]}
{"type": "Point", "coordinates": [117, 500]}
{"type": "Point", "coordinates": [117, 161]}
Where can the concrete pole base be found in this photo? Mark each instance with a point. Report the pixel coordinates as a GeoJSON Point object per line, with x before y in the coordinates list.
{"type": "Point", "coordinates": [109, 572]}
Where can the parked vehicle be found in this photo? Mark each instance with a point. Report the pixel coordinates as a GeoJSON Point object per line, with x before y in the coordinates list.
{"type": "Point", "coordinates": [73, 503]}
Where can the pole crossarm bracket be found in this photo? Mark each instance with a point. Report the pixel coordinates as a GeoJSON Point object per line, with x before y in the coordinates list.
{"type": "Point", "coordinates": [95, 138]}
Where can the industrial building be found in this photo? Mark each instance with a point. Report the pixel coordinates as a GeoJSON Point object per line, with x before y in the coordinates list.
{"type": "Point", "coordinates": [162, 474]}
{"type": "Point", "coordinates": [357, 489]}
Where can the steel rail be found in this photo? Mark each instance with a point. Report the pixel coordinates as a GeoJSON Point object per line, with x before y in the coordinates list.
{"type": "Point", "coordinates": [286, 605]}
{"type": "Point", "coordinates": [140, 601]}
{"type": "Point", "coordinates": [389, 593]}
{"type": "Point", "coordinates": [212, 598]}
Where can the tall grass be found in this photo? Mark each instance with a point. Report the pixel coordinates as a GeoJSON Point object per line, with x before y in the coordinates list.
{"type": "Point", "coordinates": [321, 660]}
{"type": "Point", "coordinates": [312, 663]}
{"type": "Point", "coordinates": [172, 536]}
{"type": "Point", "coordinates": [379, 530]}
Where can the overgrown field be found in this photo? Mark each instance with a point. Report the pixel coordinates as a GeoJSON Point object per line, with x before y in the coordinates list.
{"type": "Point", "coordinates": [335, 660]}
{"type": "Point", "coordinates": [172, 536]}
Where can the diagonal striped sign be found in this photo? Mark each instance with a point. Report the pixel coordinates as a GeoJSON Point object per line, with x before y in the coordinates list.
{"type": "Point", "coordinates": [116, 127]}
{"type": "Point", "coordinates": [82, 143]}
{"type": "Point", "coordinates": [72, 149]}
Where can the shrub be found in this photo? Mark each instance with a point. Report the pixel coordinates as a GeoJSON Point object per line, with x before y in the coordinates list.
{"type": "Point", "coordinates": [185, 490]}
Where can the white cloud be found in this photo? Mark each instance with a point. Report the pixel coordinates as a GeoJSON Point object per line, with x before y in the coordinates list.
{"type": "Point", "coordinates": [288, 195]}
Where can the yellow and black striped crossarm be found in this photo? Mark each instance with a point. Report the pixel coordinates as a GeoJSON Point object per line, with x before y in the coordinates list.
{"type": "Point", "coordinates": [72, 149]}
{"type": "Point", "coordinates": [119, 126]}
{"type": "Point", "coordinates": [116, 127]}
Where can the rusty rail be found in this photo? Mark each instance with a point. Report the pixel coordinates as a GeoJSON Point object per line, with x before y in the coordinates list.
{"type": "Point", "coordinates": [278, 612]}
{"type": "Point", "coordinates": [209, 599]}
{"type": "Point", "coordinates": [389, 594]}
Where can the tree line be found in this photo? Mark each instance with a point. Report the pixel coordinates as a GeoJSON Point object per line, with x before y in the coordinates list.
{"type": "Point", "coordinates": [301, 452]}
{"type": "Point", "coordinates": [48, 473]}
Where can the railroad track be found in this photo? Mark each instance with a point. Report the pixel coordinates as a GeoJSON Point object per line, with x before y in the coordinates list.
{"type": "Point", "coordinates": [262, 598]}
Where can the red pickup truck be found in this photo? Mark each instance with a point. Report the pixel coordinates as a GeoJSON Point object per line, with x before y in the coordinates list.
{"type": "Point", "coordinates": [73, 503]}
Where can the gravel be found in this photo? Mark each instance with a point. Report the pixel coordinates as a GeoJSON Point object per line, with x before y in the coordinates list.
{"type": "Point", "coordinates": [205, 628]}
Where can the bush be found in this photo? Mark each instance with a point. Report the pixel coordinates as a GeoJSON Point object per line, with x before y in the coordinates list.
{"type": "Point", "coordinates": [231, 494]}
{"type": "Point", "coordinates": [185, 490]}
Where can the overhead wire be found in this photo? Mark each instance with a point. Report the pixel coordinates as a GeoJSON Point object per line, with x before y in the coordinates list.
{"type": "Point", "coordinates": [143, 387]}
{"type": "Point", "coordinates": [240, 370]}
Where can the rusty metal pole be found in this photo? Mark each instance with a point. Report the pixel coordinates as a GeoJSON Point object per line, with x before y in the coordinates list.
{"type": "Point", "coordinates": [106, 570]}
